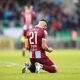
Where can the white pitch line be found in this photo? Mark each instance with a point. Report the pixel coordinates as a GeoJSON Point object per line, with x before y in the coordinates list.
{"type": "Point", "coordinates": [8, 64]}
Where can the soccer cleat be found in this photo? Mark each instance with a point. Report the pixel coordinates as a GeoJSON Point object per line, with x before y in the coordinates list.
{"type": "Point", "coordinates": [26, 67]}
{"type": "Point", "coordinates": [38, 67]}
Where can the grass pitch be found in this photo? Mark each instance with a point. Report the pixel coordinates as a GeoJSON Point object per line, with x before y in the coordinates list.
{"type": "Point", "coordinates": [67, 62]}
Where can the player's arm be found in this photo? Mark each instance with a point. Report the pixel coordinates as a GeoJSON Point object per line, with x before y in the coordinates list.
{"type": "Point", "coordinates": [26, 44]}
{"type": "Point", "coordinates": [45, 47]}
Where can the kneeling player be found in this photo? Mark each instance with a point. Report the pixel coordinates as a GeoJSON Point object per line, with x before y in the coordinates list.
{"type": "Point", "coordinates": [36, 44]}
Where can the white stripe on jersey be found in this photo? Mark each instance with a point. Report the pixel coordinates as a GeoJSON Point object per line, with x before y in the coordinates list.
{"type": "Point", "coordinates": [30, 54]}
{"type": "Point", "coordinates": [37, 54]}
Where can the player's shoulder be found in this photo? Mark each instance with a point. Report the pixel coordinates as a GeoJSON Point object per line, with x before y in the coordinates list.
{"type": "Point", "coordinates": [38, 29]}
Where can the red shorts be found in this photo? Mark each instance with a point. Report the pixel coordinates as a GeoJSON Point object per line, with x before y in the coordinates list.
{"type": "Point", "coordinates": [44, 61]}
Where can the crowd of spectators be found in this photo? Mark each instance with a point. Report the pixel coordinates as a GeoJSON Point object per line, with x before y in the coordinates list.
{"type": "Point", "coordinates": [51, 10]}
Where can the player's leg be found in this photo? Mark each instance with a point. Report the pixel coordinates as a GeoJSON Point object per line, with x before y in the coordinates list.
{"type": "Point", "coordinates": [48, 65]}
{"type": "Point", "coordinates": [23, 49]}
{"type": "Point", "coordinates": [22, 39]}
{"type": "Point", "coordinates": [26, 67]}
{"type": "Point", "coordinates": [23, 44]}
{"type": "Point", "coordinates": [29, 66]}
{"type": "Point", "coordinates": [38, 67]}
{"type": "Point", "coordinates": [51, 68]}
{"type": "Point", "coordinates": [32, 66]}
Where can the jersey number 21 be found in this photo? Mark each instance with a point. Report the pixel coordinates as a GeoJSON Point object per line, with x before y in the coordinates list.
{"type": "Point", "coordinates": [33, 35]}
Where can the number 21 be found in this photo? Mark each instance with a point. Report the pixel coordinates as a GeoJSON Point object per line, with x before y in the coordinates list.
{"type": "Point", "coordinates": [33, 34]}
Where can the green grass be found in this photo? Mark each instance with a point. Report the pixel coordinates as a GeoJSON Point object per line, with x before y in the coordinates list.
{"type": "Point", "coordinates": [67, 61]}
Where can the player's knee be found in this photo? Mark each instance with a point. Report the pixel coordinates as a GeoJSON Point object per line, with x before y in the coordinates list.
{"type": "Point", "coordinates": [53, 69]}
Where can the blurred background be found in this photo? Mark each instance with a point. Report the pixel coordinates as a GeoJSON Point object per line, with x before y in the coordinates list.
{"type": "Point", "coordinates": [63, 17]}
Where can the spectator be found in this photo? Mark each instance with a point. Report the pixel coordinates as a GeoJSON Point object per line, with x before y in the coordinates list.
{"type": "Point", "coordinates": [54, 27]}
{"type": "Point", "coordinates": [73, 38]}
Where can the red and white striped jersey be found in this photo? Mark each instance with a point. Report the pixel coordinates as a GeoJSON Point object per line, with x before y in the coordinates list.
{"type": "Point", "coordinates": [35, 37]}
{"type": "Point", "coordinates": [27, 16]}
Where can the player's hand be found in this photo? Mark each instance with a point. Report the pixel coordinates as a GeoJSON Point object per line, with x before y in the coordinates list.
{"type": "Point", "coordinates": [50, 49]}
